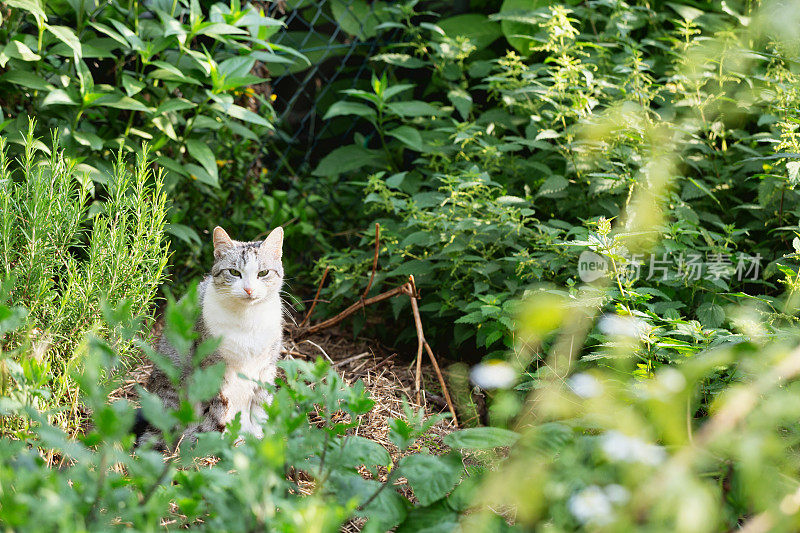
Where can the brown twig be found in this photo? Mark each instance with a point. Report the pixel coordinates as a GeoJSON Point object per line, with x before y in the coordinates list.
{"type": "Point", "coordinates": [386, 362]}
{"type": "Point", "coordinates": [351, 359]}
{"type": "Point", "coordinates": [316, 298]}
{"type": "Point", "coordinates": [420, 341]}
{"type": "Point", "coordinates": [409, 288]}
{"type": "Point", "coordinates": [402, 289]}
{"type": "Point", "coordinates": [423, 342]}
{"type": "Point", "coordinates": [374, 260]}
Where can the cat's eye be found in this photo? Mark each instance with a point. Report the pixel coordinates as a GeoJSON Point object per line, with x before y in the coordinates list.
{"type": "Point", "coordinates": [264, 273]}
{"type": "Point", "coordinates": [235, 273]}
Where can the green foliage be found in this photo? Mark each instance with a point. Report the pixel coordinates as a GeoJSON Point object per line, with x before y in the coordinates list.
{"type": "Point", "coordinates": [62, 257]}
{"type": "Point", "coordinates": [166, 74]}
{"type": "Point", "coordinates": [604, 450]}
{"type": "Point", "coordinates": [222, 481]}
{"type": "Point", "coordinates": [177, 75]}
{"type": "Point", "coordinates": [501, 168]}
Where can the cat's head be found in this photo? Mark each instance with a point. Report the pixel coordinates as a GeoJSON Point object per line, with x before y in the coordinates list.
{"type": "Point", "coordinates": [251, 271]}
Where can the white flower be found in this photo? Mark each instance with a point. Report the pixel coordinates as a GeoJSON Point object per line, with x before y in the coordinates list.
{"type": "Point", "coordinates": [671, 379]}
{"type": "Point", "coordinates": [623, 326]}
{"type": "Point", "coordinates": [617, 493]}
{"type": "Point", "coordinates": [585, 385]}
{"type": "Point", "coordinates": [620, 447]}
{"type": "Point", "coordinates": [493, 374]}
{"type": "Point", "coordinates": [592, 506]}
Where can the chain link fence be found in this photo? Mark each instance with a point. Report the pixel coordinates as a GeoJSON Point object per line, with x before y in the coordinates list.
{"type": "Point", "coordinates": [338, 37]}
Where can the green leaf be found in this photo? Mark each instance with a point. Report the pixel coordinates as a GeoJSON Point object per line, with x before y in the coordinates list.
{"type": "Point", "coordinates": [414, 108]}
{"type": "Point", "coordinates": [688, 13]}
{"type": "Point", "coordinates": [350, 108]}
{"type": "Point", "coordinates": [93, 48]}
{"type": "Point", "coordinates": [55, 438]}
{"type": "Point", "coordinates": [174, 104]}
{"type": "Point", "coordinates": [346, 159]}
{"type": "Point", "coordinates": [17, 50]}
{"type": "Point", "coordinates": [165, 126]}
{"type": "Point", "coordinates": [480, 31]}
{"type": "Point", "coordinates": [200, 174]}
{"type": "Point", "coordinates": [154, 412]}
{"type": "Point", "coordinates": [26, 78]}
{"type": "Point", "coordinates": [461, 100]}
{"type": "Point", "coordinates": [68, 37]}
{"type": "Point", "coordinates": [217, 30]}
{"type": "Point", "coordinates": [359, 18]}
{"type": "Point", "coordinates": [400, 433]}
{"type": "Point", "coordinates": [356, 451]}
{"type": "Point", "coordinates": [436, 518]}
{"type": "Point", "coordinates": [202, 153]}
{"type": "Point", "coordinates": [88, 139]}
{"type": "Point", "coordinates": [168, 72]}
{"type": "Point", "coordinates": [184, 233]}
{"type": "Point", "coordinates": [33, 7]}
{"type": "Point", "coordinates": [711, 315]}
{"type": "Point", "coordinates": [431, 477]}
{"type": "Point", "coordinates": [400, 60]}
{"type": "Point", "coordinates": [481, 438]}
{"type": "Point", "coordinates": [118, 101]}
{"type": "Point", "coordinates": [58, 97]}
{"type": "Point", "coordinates": [102, 28]}
{"type": "Point", "coordinates": [793, 168]}
{"type": "Point", "coordinates": [205, 382]}
{"type": "Point", "coordinates": [236, 66]}
{"type": "Point", "coordinates": [132, 86]}
{"type": "Point", "coordinates": [408, 136]}
{"type": "Point", "coordinates": [241, 113]}
{"type": "Point", "coordinates": [553, 185]}
{"type": "Point", "coordinates": [132, 39]}
{"type": "Point", "coordinates": [386, 511]}
{"type": "Point", "coordinates": [242, 131]}
{"type": "Point", "coordinates": [11, 318]}
{"type": "Point", "coordinates": [520, 26]}
{"type": "Point", "coordinates": [394, 90]}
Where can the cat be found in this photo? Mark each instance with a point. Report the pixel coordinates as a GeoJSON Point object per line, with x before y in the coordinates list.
{"type": "Point", "coordinates": [240, 304]}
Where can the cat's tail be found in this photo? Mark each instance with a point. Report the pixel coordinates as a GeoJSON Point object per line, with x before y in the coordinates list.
{"type": "Point", "coordinates": [140, 426]}
{"type": "Point", "coordinates": [145, 431]}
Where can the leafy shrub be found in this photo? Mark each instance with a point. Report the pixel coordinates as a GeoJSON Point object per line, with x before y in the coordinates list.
{"type": "Point", "coordinates": [62, 257]}
{"type": "Point", "coordinates": [217, 483]}
{"type": "Point", "coordinates": [606, 451]}
{"type": "Point", "coordinates": [173, 74]}
{"type": "Point", "coordinates": [504, 165]}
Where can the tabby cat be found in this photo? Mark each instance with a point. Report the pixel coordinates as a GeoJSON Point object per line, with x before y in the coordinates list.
{"type": "Point", "coordinates": [240, 304]}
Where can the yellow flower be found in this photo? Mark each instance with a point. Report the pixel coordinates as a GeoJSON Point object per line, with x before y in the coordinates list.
{"type": "Point", "coordinates": [273, 97]}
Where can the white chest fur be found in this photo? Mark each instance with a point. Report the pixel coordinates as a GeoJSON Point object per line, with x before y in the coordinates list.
{"type": "Point", "coordinates": [250, 345]}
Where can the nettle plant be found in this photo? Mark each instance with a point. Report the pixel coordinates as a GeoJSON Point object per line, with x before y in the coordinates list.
{"type": "Point", "coordinates": [112, 75]}
{"type": "Point", "coordinates": [217, 483]}
{"type": "Point", "coordinates": [481, 195]}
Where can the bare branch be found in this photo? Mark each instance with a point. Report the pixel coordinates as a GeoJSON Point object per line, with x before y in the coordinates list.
{"type": "Point", "coordinates": [316, 298]}
{"type": "Point", "coordinates": [374, 260]}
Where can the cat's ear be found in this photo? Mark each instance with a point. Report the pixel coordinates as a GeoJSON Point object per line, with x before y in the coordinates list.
{"type": "Point", "coordinates": [222, 242]}
{"type": "Point", "coordinates": [273, 244]}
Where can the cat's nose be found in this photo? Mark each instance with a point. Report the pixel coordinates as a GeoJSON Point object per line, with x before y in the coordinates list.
{"type": "Point", "coordinates": [249, 291]}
